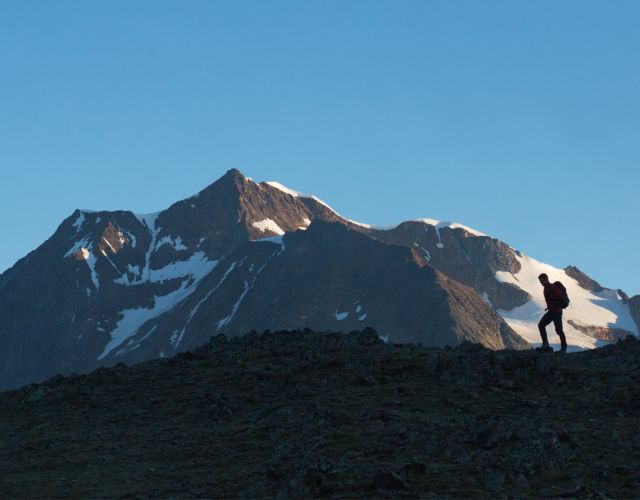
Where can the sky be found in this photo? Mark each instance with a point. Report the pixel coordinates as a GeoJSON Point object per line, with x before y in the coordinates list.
{"type": "Point", "coordinates": [519, 119]}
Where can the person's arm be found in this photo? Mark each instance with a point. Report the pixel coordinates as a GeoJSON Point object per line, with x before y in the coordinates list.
{"type": "Point", "coordinates": [547, 298]}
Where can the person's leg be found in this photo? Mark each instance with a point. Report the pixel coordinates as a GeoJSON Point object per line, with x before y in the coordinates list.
{"type": "Point", "coordinates": [542, 327]}
{"type": "Point", "coordinates": [557, 322]}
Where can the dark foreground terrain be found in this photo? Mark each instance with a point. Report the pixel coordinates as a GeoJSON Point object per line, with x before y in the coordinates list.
{"type": "Point", "coordinates": [304, 414]}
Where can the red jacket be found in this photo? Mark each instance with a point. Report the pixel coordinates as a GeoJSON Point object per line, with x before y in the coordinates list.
{"type": "Point", "coordinates": [553, 297]}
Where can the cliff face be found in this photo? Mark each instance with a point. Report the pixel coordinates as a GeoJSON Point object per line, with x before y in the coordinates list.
{"type": "Point", "coordinates": [469, 258]}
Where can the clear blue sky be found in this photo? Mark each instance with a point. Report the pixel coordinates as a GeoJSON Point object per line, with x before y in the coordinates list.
{"type": "Point", "coordinates": [518, 118]}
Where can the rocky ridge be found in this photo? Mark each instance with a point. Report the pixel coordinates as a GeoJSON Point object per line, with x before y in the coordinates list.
{"type": "Point", "coordinates": [302, 414]}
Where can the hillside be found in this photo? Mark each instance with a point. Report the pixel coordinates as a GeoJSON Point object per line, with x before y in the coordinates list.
{"type": "Point", "coordinates": [304, 414]}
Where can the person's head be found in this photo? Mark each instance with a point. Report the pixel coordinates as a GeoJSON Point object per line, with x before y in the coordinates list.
{"type": "Point", "coordinates": [543, 279]}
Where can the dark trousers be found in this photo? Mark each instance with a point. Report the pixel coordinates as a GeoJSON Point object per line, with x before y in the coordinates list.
{"type": "Point", "coordinates": [556, 318]}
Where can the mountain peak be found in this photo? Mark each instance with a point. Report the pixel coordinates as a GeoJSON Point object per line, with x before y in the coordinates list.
{"type": "Point", "coordinates": [232, 178]}
{"type": "Point", "coordinates": [234, 173]}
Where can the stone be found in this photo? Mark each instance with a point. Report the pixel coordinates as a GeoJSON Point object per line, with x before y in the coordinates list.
{"type": "Point", "coordinates": [388, 480]}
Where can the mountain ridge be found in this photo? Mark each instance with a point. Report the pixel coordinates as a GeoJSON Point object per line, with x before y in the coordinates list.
{"type": "Point", "coordinates": [120, 286]}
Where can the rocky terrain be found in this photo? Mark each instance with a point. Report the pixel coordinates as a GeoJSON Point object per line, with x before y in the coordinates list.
{"type": "Point", "coordinates": [303, 414]}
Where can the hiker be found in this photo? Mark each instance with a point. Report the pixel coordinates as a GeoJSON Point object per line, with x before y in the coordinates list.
{"type": "Point", "coordinates": [555, 299]}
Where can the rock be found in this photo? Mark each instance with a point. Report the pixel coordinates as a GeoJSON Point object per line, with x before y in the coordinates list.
{"type": "Point", "coordinates": [543, 364]}
{"type": "Point", "coordinates": [521, 485]}
{"type": "Point", "coordinates": [219, 339]}
{"type": "Point", "coordinates": [386, 480]}
{"type": "Point", "coordinates": [469, 346]}
{"type": "Point", "coordinates": [564, 491]}
{"type": "Point", "coordinates": [373, 427]}
{"type": "Point", "coordinates": [433, 363]}
{"type": "Point", "coordinates": [368, 380]}
{"type": "Point", "coordinates": [192, 356]}
{"type": "Point", "coordinates": [369, 337]}
{"type": "Point", "coordinates": [494, 481]}
{"type": "Point", "coordinates": [413, 469]}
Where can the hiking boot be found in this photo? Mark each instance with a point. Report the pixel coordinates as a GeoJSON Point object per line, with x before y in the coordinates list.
{"type": "Point", "coordinates": [544, 348]}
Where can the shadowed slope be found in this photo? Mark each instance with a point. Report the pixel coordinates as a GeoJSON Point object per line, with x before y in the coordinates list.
{"type": "Point", "coordinates": [301, 414]}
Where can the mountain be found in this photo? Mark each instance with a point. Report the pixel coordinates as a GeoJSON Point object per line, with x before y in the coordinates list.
{"type": "Point", "coordinates": [323, 277]}
{"type": "Point", "coordinates": [507, 279]}
{"type": "Point", "coordinates": [115, 286]}
{"type": "Point", "coordinates": [300, 414]}
{"type": "Point", "coordinates": [634, 307]}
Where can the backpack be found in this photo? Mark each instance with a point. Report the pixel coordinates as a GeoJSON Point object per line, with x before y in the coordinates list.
{"type": "Point", "coordinates": [565, 300]}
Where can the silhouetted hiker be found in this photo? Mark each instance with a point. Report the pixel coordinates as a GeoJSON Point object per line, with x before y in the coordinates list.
{"type": "Point", "coordinates": [556, 299]}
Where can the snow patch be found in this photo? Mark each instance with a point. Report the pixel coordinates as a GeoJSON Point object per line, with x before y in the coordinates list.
{"type": "Point", "coordinates": [124, 279]}
{"type": "Point", "coordinates": [455, 225]}
{"type": "Point", "coordinates": [451, 225]}
{"type": "Point", "coordinates": [284, 189]}
{"type": "Point", "coordinates": [84, 242]}
{"type": "Point", "coordinates": [297, 194]}
{"type": "Point", "coordinates": [83, 246]}
{"type": "Point", "coordinates": [179, 339]}
{"type": "Point", "coordinates": [425, 252]}
{"type": "Point", "coordinates": [341, 315]}
{"type": "Point", "coordinates": [168, 240]}
{"type": "Point", "coordinates": [226, 320]}
{"type": "Point", "coordinates": [193, 311]}
{"type": "Point", "coordinates": [196, 268]}
{"type": "Point", "coordinates": [604, 309]}
{"type": "Point", "coordinates": [132, 239]}
{"type": "Point", "coordinates": [439, 244]}
{"type": "Point", "coordinates": [361, 224]}
{"type": "Point", "coordinates": [79, 222]}
{"type": "Point", "coordinates": [148, 334]}
{"type": "Point", "coordinates": [268, 225]}
{"type": "Point", "coordinates": [133, 319]}
{"type": "Point", "coordinates": [149, 221]}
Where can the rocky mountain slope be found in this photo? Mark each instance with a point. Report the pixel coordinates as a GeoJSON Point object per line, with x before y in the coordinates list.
{"type": "Point", "coordinates": [118, 286]}
{"type": "Point", "coordinates": [302, 415]}
{"type": "Point", "coordinates": [507, 279]}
